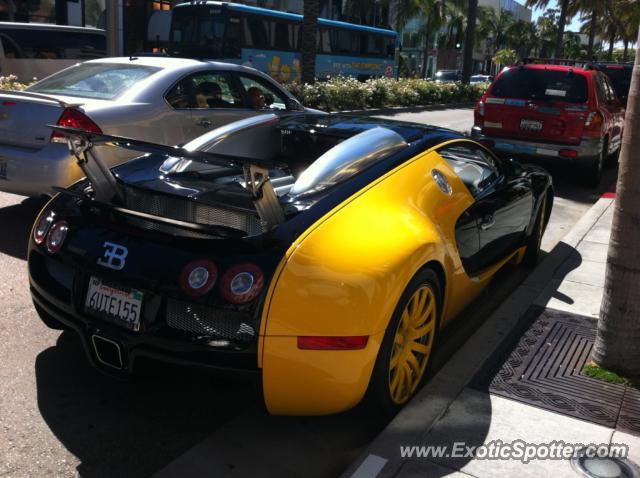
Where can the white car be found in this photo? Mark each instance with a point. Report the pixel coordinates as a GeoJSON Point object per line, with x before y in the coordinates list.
{"type": "Point", "coordinates": [157, 99]}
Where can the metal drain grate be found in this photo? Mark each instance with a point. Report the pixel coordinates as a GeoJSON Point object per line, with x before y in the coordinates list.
{"type": "Point", "coordinates": [542, 366]}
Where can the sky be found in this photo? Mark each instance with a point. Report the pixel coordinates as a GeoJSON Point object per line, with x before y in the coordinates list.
{"type": "Point", "coordinates": [573, 26]}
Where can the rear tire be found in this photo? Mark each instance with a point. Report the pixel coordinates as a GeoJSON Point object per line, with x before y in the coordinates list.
{"type": "Point", "coordinates": [532, 252]}
{"type": "Point", "coordinates": [405, 353]}
{"type": "Point", "coordinates": [594, 169]}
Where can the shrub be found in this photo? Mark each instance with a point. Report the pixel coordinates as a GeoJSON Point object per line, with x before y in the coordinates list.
{"type": "Point", "coordinates": [11, 82]}
{"type": "Point", "coordinates": [349, 94]}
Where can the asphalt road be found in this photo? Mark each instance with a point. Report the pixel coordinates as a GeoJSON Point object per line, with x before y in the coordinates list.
{"type": "Point", "coordinates": [58, 417]}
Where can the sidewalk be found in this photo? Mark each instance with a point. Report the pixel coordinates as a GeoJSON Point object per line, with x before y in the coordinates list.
{"type": "Point", "coordinates": [557, 306]}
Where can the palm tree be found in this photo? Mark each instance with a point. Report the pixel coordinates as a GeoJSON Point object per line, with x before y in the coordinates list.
{"type": "Point", "coordinates": [432, 14]}
{"type": "Point", "coordinates": [616, 346]}
{"type": "Point", "coordinates": [564, 11]}
{"type": "Point", "coordinates": [591, 14]}
{"type": "Point", "coordinates": [469, 41]}
{"type": "Point", "coordinates": [627, 15]}
{"type": "Point", "coordinates": [523, 37]}
{"type": "Point", "coordinates": [495, 25]}
{"type": "Point", "coordinates": [546, 27]}
{"type": "Point", "coordinates": [308, 45]}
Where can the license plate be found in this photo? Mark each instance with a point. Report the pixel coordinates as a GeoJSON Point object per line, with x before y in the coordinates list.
{"type": "Point", "coordinates": [530, 125]}
{"type": "Point", "coordinates": [3, 168]}
{"type": "Point", "coordinates": [118, 305]}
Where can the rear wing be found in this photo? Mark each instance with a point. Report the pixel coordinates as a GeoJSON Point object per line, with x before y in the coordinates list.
{"type": "Point", "coordinates": [108, 190]}
{"type": "Point", "coordinates": [36, 97]}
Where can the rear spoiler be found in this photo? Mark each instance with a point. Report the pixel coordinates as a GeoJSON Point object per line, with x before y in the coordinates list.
{"type": "Point", "coordinates": [108, 190]}
{"type": "Point", "coordinates": [39, 97]}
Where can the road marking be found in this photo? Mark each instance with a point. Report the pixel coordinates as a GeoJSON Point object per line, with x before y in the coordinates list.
{"type": "Point", "coordinates": [370, 467]}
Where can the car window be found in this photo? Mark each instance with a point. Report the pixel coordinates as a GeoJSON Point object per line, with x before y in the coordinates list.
{"type": "Point", "coordinates": [94, 80]}
{"type": "Point", "coordinates": [474, 166]}
{"type": "Point", "coordinates": [260, 95]}
{"type": "Point", "coordinates": [610, 88]}
{"type": "Point", "coordinates": [204, 90]}
{"type": "Point", "coordinates": [534, 84]}
{"type": "Point", "coordinates": [620, 78]}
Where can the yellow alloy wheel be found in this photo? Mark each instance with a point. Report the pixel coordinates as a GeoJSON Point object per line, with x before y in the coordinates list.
{"type": "Point", "coordinates": [412, 344]}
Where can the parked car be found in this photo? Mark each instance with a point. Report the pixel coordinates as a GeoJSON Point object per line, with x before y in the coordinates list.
{"type": "Point", "coordinates": [620, 77]}
{"type": "Point", "coordinates": [159, 99]}
{"type": "Point", "coordinates": [323, 253]}
{"type": "Point", "coordinates": [481, 79]}
{"type": "Point", "coordinates": [448, 76]}
{"type": "Point", "coordinates": [557, 112]}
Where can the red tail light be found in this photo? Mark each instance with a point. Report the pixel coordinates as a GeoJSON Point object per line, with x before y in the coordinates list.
{"type": "Point", "coordinates": [594, 122]}
{"type": "Point", "coordinates": [56, 236]}
{"type": "Point", "coordinates": [241, 283]}
{"type": "Point", "coordinates": [353, 342]}
{"type": "Point", "coordinates": [41, 229]}
{"type": "Point", "coordinates": [480, 108]}
{"type": "Point", "coordinates": [74, 118]}
{"type": "Point", "coordinates": [198, 277]}
{"type": "Point", "coordinates": [568, 153]}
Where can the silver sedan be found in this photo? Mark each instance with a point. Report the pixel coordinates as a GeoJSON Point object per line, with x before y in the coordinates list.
{"type": "Point", "coordinates": [162, 100]}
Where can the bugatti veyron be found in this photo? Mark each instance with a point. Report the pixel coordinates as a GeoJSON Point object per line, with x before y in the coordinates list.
{"type": "Point", "coordinates": [324, 253]}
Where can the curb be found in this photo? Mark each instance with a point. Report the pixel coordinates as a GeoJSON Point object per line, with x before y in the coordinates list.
{"type": "Point", "coordinates": [382, 458]}
{"type": "Point", "coordinates": [407, 109]}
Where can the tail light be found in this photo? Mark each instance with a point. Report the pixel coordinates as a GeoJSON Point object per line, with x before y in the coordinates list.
{"type": "Point", "coordinates": [594, 121]}
{"type": "Point", "coordinates": [480, 108]}
{"type": "Point", "coordinates": [74, 118]}
{"type": "Point", "coordinates": [56, 236]}
{"type": "Point", "coordinates": [354, 342]}
{"type": "Point", "coordinates": [241, 283]}
{"type": "Point", "coordinates": [568, 153]}
{"type": "Point", "coordinates": [41, 229]}
{"type": "Point", "coordinates": [198, 277]}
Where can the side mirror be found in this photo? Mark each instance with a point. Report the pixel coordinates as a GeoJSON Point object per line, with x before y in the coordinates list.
{"type": "Point", "coordinates": [293, 105]}
{"type": "Point", "coordinates": [268, 99]}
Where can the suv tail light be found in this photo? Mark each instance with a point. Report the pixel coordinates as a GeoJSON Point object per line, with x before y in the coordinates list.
{"type": "Point", "coordinates": [594, 121]}
{"type": "Point", "coordinates": [480, 108]}
{"type": "Point", "coordinates": [74, 118]}
{"type": "Point", "coordinates": [56, 236]}
{"type": "Point", "coordinates": [241, 283]}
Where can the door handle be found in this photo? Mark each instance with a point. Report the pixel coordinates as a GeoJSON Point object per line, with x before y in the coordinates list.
{"type": "Point", "coordinates": [487, 222]}
{"type": "Point", "coordinates": [205, 123]}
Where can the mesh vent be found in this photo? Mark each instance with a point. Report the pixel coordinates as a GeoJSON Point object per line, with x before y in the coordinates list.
{"type": "Point", "coordinates": [207, 321]}
{"type": "Point", "coordinates": [190, 211]}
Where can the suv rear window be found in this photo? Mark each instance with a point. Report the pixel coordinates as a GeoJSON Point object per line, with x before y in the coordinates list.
{"type": "Point", "coordinates": [548, 85]}
{"type": "Point", "coordinates": [94, 80]}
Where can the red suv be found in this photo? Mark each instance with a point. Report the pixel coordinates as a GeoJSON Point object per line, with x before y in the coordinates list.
{"type": "Point", "coordinates": [552, 111]}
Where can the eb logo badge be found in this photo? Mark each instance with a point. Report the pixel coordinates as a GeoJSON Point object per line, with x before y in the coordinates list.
{"type": "Point", "coordinates": [114, 256]}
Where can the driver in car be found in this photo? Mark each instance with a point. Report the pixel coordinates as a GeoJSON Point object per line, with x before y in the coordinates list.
{"type": "Point", "coordinates": [256, 98]}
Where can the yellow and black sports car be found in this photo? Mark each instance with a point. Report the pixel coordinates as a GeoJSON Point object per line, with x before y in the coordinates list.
{"type": "Point", "coordinates": [322, 252]}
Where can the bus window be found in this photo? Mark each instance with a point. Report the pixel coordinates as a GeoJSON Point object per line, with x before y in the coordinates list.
{"type": "Point", "coordinates": [281, 35]}
{"type": "Point", "coordinates": [232, 45]}
{"type": "Point", "coordinates": [345, 42]}
{"type": "Point", "coordinates": [255, 30]}
{"type": "Point", "coordinates": [11, 50]}
{"type": "Point", "coordinates": [53, 45]}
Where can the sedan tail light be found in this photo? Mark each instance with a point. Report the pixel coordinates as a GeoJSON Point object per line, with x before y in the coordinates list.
{"type": "Point", "coordinates": [56, 236]}
{"type": "Point", "coordinates": [41, 229]}
{"type": "Point", "coordinates": [74, 118]}
{"type": "Point", "coordinates": [242, 283]}
{"type": "Point", "coordinates": [198, 277]}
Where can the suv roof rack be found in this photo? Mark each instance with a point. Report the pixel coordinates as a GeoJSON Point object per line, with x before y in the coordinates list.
{"type": "Point", "coordinates": [584, 64]}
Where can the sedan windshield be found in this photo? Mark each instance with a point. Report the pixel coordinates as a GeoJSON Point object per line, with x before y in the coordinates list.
{"type": "Point", "coordinates": [550, 85]}
{"type": "Point", "coordinates": [94, 80]}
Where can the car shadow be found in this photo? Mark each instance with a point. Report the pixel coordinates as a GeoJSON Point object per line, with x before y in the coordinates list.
{"type": "Point", "coordinates": [470, 420]}
{"type": "Point", "coordinates": [17, 220]}
{"type": "Point", "coordinates": [131, 428]}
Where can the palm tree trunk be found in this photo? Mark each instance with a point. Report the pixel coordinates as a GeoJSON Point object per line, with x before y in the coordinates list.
{"type": "Point", "coordinates": [626, 50]}
{"type": "Point", "coordinates": [612, 40]}
{"type": "Point", "coordinates": [592, 33]}
{"type": "Point", "coordinates": [467, 62]}
{"type": "Point", "coordinates": [308, 47]}
{"type": "Point", "coordinates": [562, 22]}
{"type": "Point", "coordinates": [616, 346]}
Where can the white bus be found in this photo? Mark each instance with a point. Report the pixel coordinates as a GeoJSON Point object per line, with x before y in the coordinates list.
{"type": "Point", "coordinates": [36, 50]}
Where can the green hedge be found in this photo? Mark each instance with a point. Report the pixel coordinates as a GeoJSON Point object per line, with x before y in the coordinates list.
{"type": "Point", "coordinates": [350, 94]}
{"type": "Point", "coordinates": [342, 93]}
